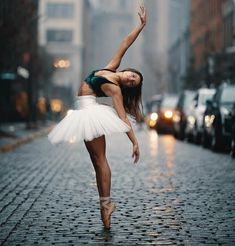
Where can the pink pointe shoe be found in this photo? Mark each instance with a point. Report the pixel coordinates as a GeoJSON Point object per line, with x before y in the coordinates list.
{"type": "Point", "coordinates": [107, 208]}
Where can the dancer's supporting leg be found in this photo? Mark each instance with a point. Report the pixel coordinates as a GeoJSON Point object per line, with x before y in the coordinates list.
{"type": "Point", "coordinates": [96, 149]}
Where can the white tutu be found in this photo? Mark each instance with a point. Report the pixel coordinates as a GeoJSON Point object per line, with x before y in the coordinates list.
{"type": "Point", "coordinates": [88, 121]}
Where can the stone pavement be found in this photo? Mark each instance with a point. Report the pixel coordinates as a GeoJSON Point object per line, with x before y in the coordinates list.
{"type": "Point", "coordinates": [178, 194]}
{"type": "Point", "coordinates": [13, 135]}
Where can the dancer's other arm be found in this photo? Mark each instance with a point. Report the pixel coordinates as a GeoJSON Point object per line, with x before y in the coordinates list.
{"type": "Point", "coordinates": [127, 41]}
{"type": "Point", "coordinates": [117, 98]}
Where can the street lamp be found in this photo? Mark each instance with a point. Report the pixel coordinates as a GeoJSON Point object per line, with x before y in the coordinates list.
{"type": "Point", "coordinates": [62, 63]}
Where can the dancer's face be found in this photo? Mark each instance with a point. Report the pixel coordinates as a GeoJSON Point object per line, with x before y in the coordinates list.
{"type": "Point", "coordinates": [130, 79]}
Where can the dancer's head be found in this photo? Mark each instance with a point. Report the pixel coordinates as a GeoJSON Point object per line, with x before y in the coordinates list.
{"type": "Point", "coordinates": [131, 85]}
{"type": "Point", "coordinates": [131, 78]}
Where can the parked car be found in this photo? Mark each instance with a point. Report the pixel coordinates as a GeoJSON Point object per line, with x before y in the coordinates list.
{"type": "Point", "coordinates": [217, 127]}
{"type": "Point", "coordinates": [232, 119]}
{"type": "Point", "coordinates": [194, 126]}
{"type": "Point", "coordinates": [165, 113]}
{"type": "Point", "coordinates": [231, 123]}
{"type": "Point", "coordinates": [181, 113]}
{"type": "Point", "coordinates": [151, 107]}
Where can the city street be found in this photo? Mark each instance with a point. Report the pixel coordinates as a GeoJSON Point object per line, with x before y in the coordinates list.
{"type": "Point", "coordinates": [178, 194]}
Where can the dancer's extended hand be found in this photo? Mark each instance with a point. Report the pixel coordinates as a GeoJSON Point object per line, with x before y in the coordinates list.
{"type": "Point", "coordinates": [136, 153]}
{"type": "Point", "coordinates": [142, 15]}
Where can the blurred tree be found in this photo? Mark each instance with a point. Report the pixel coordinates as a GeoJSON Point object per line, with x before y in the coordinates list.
{"type": "Point", "coordinates": [16, 23]}
{"type": "Point", "coordinates": [19, 49]}
{"type": "Point", "coordinates": [45, 71]}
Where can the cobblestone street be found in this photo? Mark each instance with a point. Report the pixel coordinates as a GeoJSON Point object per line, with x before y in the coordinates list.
{"type": "Point", "coordinates": [178, 194]}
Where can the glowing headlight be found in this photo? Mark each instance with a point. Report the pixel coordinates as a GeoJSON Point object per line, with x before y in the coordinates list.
{"type": "Point", "coordinates": [191, 120]}
{"type": "Point", "coordinates": [208, 120]}
{"type": "Point", "coordinates": [154, 116]}
{"type": "Point", "coordinates": [153, 119]}
{"type": "Point", "coordinates": [176, 117]}
{"type": "Point", "coordinates": [168, 114]}
{"type": "Point", "coordinates": [152, 123]}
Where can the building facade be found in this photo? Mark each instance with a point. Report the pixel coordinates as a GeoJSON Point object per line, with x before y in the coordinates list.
{"type": "Point", "coordinates": [206, 38]}
{"type": "Point", "coordinates": [179, 45]}
{"type": "Point", "coordinates": [111, 22]}
{"type": "Point", "coordinates": [87, 38]}
{"type": "Point", "coordinates": [154, 49]}
{"type": "Point", "coordinates": [61, 33]}
{"type": "Point", "coordinates": [228, 56]}
{"type": "Point", "coordinates": [228, 23]}
{"type": "Point", "coordinates": [212, 41]}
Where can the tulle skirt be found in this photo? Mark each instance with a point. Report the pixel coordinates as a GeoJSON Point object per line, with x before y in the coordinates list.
{"type": "Point", "coordinates": [87, 121]}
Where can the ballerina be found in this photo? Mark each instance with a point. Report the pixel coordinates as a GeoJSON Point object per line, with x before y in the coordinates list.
{"type": "Point", "coordinates": [92, 121]}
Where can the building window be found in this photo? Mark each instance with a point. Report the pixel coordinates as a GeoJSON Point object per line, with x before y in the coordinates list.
{"type": "Point", "coordinates": [62, 10]}
{"type": "Point", "coordinates": [59, 35]}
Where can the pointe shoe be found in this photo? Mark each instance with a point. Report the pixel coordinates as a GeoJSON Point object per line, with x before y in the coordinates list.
{"type": "Point", "coordinates": [107, 208]}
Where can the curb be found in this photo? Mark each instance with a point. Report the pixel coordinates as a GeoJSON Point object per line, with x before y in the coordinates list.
{"type": "Point", "coordinates": [24, 140]}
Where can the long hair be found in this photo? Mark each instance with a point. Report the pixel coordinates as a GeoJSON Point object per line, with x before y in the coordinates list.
{"type": "Point", "coordinates": [132, 97]}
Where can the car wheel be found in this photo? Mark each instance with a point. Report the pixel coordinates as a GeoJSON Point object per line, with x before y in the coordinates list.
{"type": "Point", "coordinates": [233, 142]}
{"type": "Point", "coordinates": [216, 140]}
{"type": "Point", "coordinates": [179, 135]}
{"type": "Point", "coordinates": [196, 136]}
{"type": "Point", "coordinates": [159, 130]}
{"type": "Point", "coordinates": [206, 140]}
{"type": "Point", "coordinates": [197, 139]}
{"type": "Point", "coordinates": [175, 133]}
{"type": "Point", "coordinates": [233, 148]}
{"type": "Point", "coordinates": [189, 138]}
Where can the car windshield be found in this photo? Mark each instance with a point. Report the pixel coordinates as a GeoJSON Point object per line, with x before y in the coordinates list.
{"type": "Point", "coordinates": [169, 102]}
{"type": "Point", "coordinates": [188, 99]}
{"type": "Point", "coordinates": [204, 97]}
{"type": "Point", "coordinates": [228, 95]}
{"type": "Point", "coordinates": [152, 106]}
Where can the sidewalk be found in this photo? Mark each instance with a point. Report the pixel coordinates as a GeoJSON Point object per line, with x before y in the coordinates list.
{"type": "Point", "coordinates": [13, 135]}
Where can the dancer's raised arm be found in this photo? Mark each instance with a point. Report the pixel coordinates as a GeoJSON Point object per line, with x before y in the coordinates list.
{"type": "Point", "coordinates": [127, 41]}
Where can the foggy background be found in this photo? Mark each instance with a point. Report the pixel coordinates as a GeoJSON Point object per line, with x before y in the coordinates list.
{"type": "Point", "coordinates": [49, 46]}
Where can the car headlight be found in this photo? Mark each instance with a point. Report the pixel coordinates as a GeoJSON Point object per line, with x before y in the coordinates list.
{"type": "Point", "coordinates": [152, 123]}
{"type": "Point", "coordinates": [176, 117]}
{"type": "Point", "coordinates": [153, 119]}
{"type": "Point", "coordinates": [191, 120]}
{"type": "Point", "coordinates": [168, 114]}
{"type": "Point", "coordinates": [154, 116]}
{"type": "Point", "coordinates": [208, 120]}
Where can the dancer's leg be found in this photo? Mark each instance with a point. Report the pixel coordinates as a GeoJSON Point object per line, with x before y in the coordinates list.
{"type": "Point", "coordinates": [96, 149]}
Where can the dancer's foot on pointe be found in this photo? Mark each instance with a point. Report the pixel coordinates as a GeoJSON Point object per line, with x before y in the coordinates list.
{"type": "Point", "coordinates": [107, 208]}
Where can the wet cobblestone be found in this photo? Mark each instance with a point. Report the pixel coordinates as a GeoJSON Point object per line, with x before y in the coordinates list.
{"type": "Point", "coordinates": [179, 194]}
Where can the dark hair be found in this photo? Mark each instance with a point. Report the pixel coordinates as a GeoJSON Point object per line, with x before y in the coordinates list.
{"type": "Point", "coordinates": [132, 97]}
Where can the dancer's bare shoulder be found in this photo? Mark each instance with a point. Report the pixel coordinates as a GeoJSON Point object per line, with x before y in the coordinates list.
{"type": "Point", "coordinates": [111, 89]}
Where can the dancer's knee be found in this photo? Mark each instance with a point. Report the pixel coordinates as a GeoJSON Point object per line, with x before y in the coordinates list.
{"type": "Point", "coordinates": [98, 160]}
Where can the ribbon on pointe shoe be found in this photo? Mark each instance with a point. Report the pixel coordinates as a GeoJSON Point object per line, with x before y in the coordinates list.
{"type": "Point", "coordinates": [109, 207]}
{"type": "Point", "coordinates": [104, 201]}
